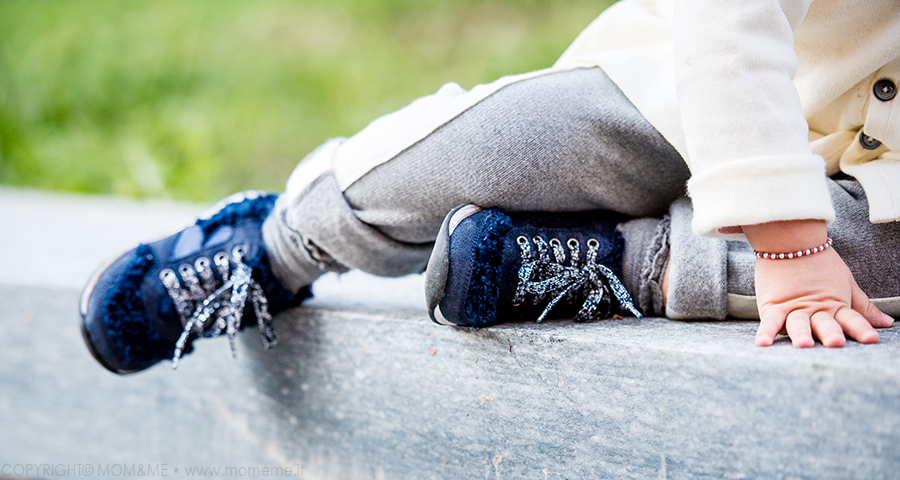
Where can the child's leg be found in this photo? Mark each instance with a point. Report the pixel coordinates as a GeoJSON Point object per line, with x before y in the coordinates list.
{"type": "Point", "coordinates": [553, 141]}
{"type": "Point", "coordinates": [712, 278]}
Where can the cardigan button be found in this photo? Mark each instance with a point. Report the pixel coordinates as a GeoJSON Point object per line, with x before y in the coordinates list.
{"type": "Point", "coordinates": [868, 142]}
{"type": "Point", "coordinates": [885, 89]}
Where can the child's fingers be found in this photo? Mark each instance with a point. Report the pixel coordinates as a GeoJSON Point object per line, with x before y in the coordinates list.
{"type": "Point", "coordinates": [827, 330]}
{"type": "Point", "coordinates": [799, 330]}
{"type": "Point", "coordinates": [860, 302]}
{"type": "Point", "coordinates": [856, 326]}
{"type": "Point", "coordinates": [771, 322]}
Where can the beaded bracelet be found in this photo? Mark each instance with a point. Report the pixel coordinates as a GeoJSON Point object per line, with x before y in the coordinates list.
{"type": "Point", "coordinates": [797, 254]}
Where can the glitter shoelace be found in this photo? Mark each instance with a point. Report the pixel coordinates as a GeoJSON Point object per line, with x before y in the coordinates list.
{"type": "Point", "coordinates": [209, 305]}
{"type": "Point", "coordinates": [544, 275]}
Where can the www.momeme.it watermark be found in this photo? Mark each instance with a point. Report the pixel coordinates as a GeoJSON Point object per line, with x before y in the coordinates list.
{"type": "Point", "coordinates": [138, 470]}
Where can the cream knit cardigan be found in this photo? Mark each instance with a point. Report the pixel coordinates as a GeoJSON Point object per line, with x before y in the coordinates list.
{"type": "Point", "coordinates": [761, 97]}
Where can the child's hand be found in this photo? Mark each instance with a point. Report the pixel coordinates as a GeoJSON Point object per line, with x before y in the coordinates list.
{"type": "Point", "coordinates": [810, 296]}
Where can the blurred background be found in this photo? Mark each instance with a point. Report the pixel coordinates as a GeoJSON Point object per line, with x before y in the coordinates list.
{"type": "Point", "coordinates": [193, 100]}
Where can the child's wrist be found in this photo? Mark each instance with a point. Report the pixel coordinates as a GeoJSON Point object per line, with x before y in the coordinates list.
{"type": "Point", "coordinates": [786, 236]}
{"type": "Point", "coordinates": [793, 254]}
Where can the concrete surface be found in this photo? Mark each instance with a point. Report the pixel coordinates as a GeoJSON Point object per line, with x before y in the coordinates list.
{"type": "Point", "coordinates": [363, 386]}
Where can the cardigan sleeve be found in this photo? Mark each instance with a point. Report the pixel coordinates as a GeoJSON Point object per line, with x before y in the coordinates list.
{"type": "Point", "coordinates": [746, 137]}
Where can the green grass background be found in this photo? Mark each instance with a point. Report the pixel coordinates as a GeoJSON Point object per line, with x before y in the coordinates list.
{"type": "Point", "coordinates": [197, 99]}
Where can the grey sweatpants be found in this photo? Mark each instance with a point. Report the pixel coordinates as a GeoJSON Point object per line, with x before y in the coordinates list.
{"type": "Point", "coordinates": [554, 140]}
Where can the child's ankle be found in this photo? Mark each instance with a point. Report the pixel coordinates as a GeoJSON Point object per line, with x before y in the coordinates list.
{"type": "Point", "coordinates": [644, 262]}
{"type": "Point", "coordinates": [664, 286]}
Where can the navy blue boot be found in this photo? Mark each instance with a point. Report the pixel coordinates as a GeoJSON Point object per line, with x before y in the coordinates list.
{"type": "Point", "coordinates": [489, 267]}
{"type": "Point", "coordinates": [209, 279]}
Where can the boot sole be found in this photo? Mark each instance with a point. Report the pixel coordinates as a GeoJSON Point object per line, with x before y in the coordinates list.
{"type": "Point", "coordinates": [82, 307]}
{"type": "Point", "coordinates": [439, 263]}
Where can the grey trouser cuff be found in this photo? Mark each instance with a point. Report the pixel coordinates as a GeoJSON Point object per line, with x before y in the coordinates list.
{"type": "Point", "coordinates": [331, 228]}
{"type": "Point", "coordinates": [698, 270]}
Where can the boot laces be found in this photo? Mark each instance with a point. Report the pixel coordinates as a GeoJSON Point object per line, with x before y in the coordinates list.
{"type": "Point", "coordinates": [544, 274]}
{"type": "Point", "coordinates": [209, 304]}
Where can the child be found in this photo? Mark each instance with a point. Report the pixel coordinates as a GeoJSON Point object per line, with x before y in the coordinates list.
{"type": "Point", "coordinates": [776, 118]}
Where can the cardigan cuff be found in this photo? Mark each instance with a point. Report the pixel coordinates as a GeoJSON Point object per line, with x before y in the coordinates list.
{"type": "Point", "coordinates": [759, 190]}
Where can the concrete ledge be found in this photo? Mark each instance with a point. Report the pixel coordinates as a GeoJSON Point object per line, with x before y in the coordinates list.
{"type": "Point", "coordinates": [354, 391]}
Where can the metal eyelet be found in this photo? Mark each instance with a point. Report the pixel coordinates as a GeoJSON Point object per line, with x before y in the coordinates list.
{"type": "Point", "coordinates": [167, 274]}
{"type": "Point", "coordinates": [572, 243]}
{"type": "Point", "coordinates": [593, 243]}
{"type": "Point", "coordinates": [555, 242]}
{"type": "Point", "coordinates": [238, 251]}
{"type": "Point", "coordinates": [522, 240]}
{"type": "Point", "coordinates": [184, 269]}
{"type": "Point", "coordinates": [201, 264]}
{"type": "Point", "coordinates": [536, 239]}
{"type": "Point", "coordinates": [220, 258]}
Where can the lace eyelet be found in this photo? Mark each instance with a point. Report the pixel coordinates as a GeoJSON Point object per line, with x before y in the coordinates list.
{"type": "Point", "coordinates": [184, 269]}
{"type": "Point", "coordinates": [593, 243]}
{"type": "Point", "coordinates": [555, 242]}
{"type": "Point", "coordinates": [522, 240]}
{"type": "Point", "coordinates": [201, 264]}
{"type": "Point", "coordinates": [167, 274]}
{"type": "Point", "coordinates": [238, 252]}
{"type": "Point", "coordinates": [220, 257]}
{"type": "Point", "coordinates": [572, 243]}
{"type": "Point", "coordinates": [536, 239]}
